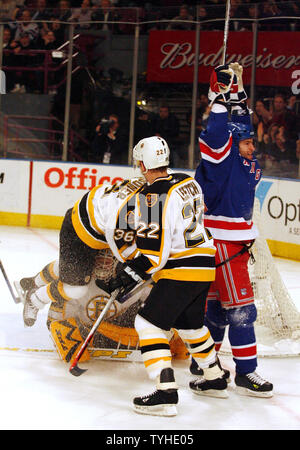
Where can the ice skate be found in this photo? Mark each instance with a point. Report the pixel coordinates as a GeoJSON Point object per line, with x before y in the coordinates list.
{"type": "Point", "coordinates": [253, 385]}
{"type": "Point", "coordinates": [27, 283]}
{"type": "Point", "coordinates": [196, 370]}
{"type": "Point", "coordinates": [210, 388]}
{"type": "Point", "coordinates": [23, 286]}
{"type": "Point", "coordinates": [161, 402]}
{"type": "Point", "coordinates": [30, 311]}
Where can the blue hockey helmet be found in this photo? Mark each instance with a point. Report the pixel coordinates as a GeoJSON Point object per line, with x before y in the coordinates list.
{"type": "Point", "coordinates": [240, 131]}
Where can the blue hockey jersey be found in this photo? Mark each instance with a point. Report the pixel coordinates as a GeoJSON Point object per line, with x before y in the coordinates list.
{"type": "Point", "coordinates": [227, 179]}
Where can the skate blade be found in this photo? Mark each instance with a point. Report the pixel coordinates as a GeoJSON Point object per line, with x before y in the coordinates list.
{"type": "Point", "coordinates": [244, 391]}
{"type": "Point", "coordinates": [212, 393]}
{"type": "Point", "coordinates": [159, 410]}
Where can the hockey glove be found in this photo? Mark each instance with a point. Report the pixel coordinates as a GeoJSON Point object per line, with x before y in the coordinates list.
{"type": "Point", "coordinates": [237, 94]}
{"type": "Point", "coordinates": [127, 279]}
{"type": "Point", "coordinates": [220, 84]}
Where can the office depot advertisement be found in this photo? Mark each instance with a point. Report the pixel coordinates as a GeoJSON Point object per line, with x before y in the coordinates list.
{"type": "Point", "coordinates": [38, 193]}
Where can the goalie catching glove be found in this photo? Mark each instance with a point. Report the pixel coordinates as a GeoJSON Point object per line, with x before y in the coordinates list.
{"type": "Point", "coordinates": [132, 273]}
{"type": "Point", "coordinates": [220, 84]}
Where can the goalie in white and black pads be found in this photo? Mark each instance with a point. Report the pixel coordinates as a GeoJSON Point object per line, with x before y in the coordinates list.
{"type": "Point", "coordinates": [176, 250]}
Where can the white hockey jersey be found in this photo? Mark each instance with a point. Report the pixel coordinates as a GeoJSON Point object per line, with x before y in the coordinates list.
{"type": "Point", "coordinates": [104, 218]}
{"type": "Point", "coordinates": [170, 230]}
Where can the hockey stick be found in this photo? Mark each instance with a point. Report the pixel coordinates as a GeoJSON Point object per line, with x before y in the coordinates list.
{"type": "Point", "coordinates": [15, 299]}
{"type": "Point", "coordinates": [226, 26]}
{"type": "Point", "coordinates": [74, 368]}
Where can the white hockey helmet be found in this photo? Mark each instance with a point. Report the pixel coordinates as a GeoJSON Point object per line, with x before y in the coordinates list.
{"type": "Point", "coordinates": [152, 151]}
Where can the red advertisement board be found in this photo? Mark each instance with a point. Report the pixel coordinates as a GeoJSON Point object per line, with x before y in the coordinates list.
{"type": "Point", "coordinates": [171, 56]}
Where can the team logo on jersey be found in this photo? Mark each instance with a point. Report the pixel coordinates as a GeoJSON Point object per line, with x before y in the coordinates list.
{"type": "Point", "coordinates": [95, 306]}
{"type": "Point", "coordinates": [151, 199]}
{"type": "Point", "coordinates": [130, 218]}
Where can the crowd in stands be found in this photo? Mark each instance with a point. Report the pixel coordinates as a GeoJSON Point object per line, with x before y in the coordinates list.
{"type": "Point", "coordinates": [42, 25]}
{"type": "Point", "coordinates": [276, 122]}
{"type": "Point", "coordinates": [277, 127]}
{"type": "Point", "coordinates": [169, 14]}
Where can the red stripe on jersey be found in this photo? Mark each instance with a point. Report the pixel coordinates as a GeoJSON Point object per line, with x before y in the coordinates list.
{"type": "Point", "coordinates": [244, 351]}
{"type": "Point", "coordinates": [214, 153]}
{"type": "Point", "coordinates": [209, 223]}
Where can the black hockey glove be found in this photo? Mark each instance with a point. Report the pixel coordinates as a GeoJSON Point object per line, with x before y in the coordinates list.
{"type": "Point", "coordinates": [126, 280]}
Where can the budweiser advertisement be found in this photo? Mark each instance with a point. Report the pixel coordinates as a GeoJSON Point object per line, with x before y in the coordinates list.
{"type": "Point", "coordinates": [171, 56]}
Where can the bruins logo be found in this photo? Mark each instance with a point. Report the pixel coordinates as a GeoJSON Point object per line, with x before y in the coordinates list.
{"type": "Point", "coordinates": [130, 218]}
{"type": "Point", "coordinates": [151, 199]}
{"type": "Point", "coordinates": [96, 305]}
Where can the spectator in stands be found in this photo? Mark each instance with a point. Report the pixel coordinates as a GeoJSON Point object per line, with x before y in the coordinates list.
{"type": "Point", "coordinates": [291, 103]}
{"type": "Point", "coordinates": [183, 21]}
{"type": "Point", "coordinates": [82, 15]}
{"type": "Point", "coordinates": [58, 30]}
{"type": "Point", "coordinates": [8, 58]}
{"type": "Point", "coordinates": [8, 9]}
{"type": "Point", "coordinates": [261, 115]}
{"type": "Point", "coordinates": [63, 12]}
{"type": "Point", "coordinates": [282, 150]}
{"type": "Point", "coordinates": [166, 125]}
{"type": "Point", "coordinates": [251, 12]}
{"type": "Point", "coordinates": [48, 41]}
{"type": "Point", "coordinates": [42, 13]}
{"type": "Point", "coordinates": [282, 116]}
{"type": "Point", "coordinates": [108, 144]}
{"type": "Point", "coordinates": [202, 16]}
{"type": "Point", "coordinates": [271, 9]}
{"type": "Point", "coordinates": [105, 14]}
{"type": "Point", "coordinates": [143, 126]}
{"type": "Point", "coordinates": [25, 26]}
{"type": "Point", "coordinates": [25, 80]}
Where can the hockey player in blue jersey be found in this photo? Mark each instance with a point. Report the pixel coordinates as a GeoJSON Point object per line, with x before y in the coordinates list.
{"type": "Point", "coordinates": [228, 174]}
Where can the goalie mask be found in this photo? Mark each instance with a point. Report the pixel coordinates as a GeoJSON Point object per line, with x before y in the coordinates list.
{"type": "Point", "coordinates": [152, 151]}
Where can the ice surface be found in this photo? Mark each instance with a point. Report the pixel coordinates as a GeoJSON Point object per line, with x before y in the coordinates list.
{"type": "Point", "coordinates": [37, 391]}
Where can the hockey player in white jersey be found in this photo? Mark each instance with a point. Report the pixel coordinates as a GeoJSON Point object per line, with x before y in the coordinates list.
{"type": "Point", "coordinates": [102, 219]}
{"type": "Point", "coordinates": [178, 252]}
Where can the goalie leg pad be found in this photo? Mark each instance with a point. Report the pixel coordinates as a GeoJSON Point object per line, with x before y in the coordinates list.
{"type": "Point", "coordinates": [58, 294]}
{"type": "Point", "coordinates": [178, 348]}
{"type": "Point", "coordinates": [67, 339]}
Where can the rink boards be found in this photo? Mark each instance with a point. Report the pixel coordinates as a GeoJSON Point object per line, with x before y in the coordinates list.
{"type": "Point", "coordinates": [38, 193]}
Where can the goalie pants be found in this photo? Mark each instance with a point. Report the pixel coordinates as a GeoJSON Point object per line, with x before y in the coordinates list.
{"type": "Point", "coordinates": [179, 305]}
{"type": "Point", "coordinates": [76, 259]}
{"type": "Point", "coordinates": [230, 302]}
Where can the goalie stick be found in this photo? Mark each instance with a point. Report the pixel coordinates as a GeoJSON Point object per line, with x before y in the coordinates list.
{"type": "Point", "coordinates": [74, 368]}
{"type": "Point", "coordinates": [15, 299]}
